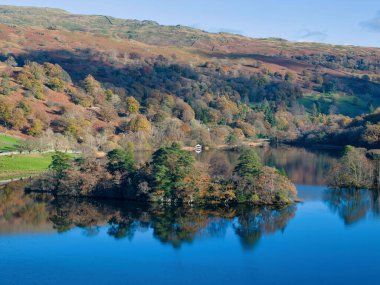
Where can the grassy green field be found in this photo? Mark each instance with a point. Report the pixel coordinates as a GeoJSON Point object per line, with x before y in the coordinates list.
{"type": "Point", "coordinates": [17, 166]}
{"type": "Point", "coordinates": [346, 104]}
{"type": "Point", "coordinates": [8, 143]}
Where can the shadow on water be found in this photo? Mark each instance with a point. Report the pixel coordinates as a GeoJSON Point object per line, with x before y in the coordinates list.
{"type": "Point", "coordinates": [353, 205]}
{"type": "Point", "coordinates": [175, 226]}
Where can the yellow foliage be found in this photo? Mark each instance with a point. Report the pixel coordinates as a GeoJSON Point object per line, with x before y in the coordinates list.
{"type": "Point", "coordinates": [91, 85]}
{"type": "Point", "coordinates": [36, 128]}
{"type": "Point", "coordinates": [140, 123]}
{"type": "Point", "coordinates": [133, 106]}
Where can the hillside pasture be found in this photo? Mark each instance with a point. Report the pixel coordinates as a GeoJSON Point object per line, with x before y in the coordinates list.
{"type": "Point", "coordinates": [345, 104]}
{"type": "Point", "coordinates": [8, 143]}
{"type": "Point", "coordinates": [18, 166]}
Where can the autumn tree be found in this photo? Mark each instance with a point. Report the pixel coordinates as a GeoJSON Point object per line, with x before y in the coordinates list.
{"type": "Point", "coordinates": [28, 145]}
{"type": "Point", "coordinates": [5, 86]}
{"type": "Point", "coordinates": [5, 113]}
{"type": "Point", "coordinates": [169, 131]}
{"type": "Point", "coordinates": [228, 108]}
{"type": "Point", "coordinates": [183, 111]}
{"type": "Point", "coordinates": [107, 113]}
{"type": "Point", "coordinates": [109, 94]}
{"type": "Point", "coordinates": [140, 124]}
{"type": "Point", "coordinates": [56, 71]}
{"type": "Point", "coordinates": [258, 184]}
{"type": "Point", "coordinates": [18, 119]}
{"type": "Point", "coordinates": [247, 129]}
{"type": "Point", "coordinates": [371, 135]}
{"type": "Point", "coordinates": [168, 102]}
{"type": "Point", "coordinates": [133, 106]}
{"type": "Point", "coordinates": [24, 106]}
{"type": "Point", "coordinates": [289, 76]}
{"type": "Point", "coordinates": [11, 62]}
{"type": "Point", "coordinates": [91, 85]}
{"type": "Point", "coordinates": [38, 91]}
{"type": "Point", "coordinates": [78, 96]}
{"type": "Point", "coordinates": [35, 128]}
{"type": "Point", "coordinates": [354, 170]}
{"type": "Point", "coordinates": [56, 84]}
{"type": "Point", "coordinates": [231, 139]}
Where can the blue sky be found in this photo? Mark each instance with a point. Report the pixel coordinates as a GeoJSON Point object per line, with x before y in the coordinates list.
{"type": "Point", "coordinates": [355, 22]}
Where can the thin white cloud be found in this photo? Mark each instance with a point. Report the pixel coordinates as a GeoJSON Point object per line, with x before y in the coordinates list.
{"type": "Point", "coordinates": [373, 24]}
{"type": "Point", "coordinates": [309, 35]}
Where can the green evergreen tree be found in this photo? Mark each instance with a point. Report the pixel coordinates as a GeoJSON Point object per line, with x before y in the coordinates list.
{"type": "Point", "coordinates": [171, 166]}
{"type": "Point", "coordinates": [120, 161]}
{"type": "Point", "coordinates": [314, 111]}
{"type": "Point", "coordinates": [60, 163]}
{"type": "Point", "coordinates": [268, 112]}
{"type": "Point", "coordinates": [249, 165]}
{"type": "Point", "coordinates": [232, 139]}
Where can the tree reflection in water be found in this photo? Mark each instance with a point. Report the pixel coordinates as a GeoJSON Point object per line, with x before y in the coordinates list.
{"type": "Point", "coordinates": [19, 211]}
{"type": "Point", "coordinates": [121, 229]}
{"type": "Point", "coordinates": [303, 166]}
{"type": "Point", "coordinates": [352, 205]}
{"type": "Point", "coordinates": [170, 225]}
{"type": "Point", "coordinates": [251, 224]}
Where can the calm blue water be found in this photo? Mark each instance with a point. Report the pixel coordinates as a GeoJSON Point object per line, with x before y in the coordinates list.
{"type": "Point", "coordinates": [333, 237]}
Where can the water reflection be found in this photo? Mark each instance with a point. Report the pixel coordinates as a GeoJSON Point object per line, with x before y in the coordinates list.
{"type": "Point", "coordinates": [252, 224]}
{"type": "Point", "coordinates": [20, 212]}
{"type": "Point", "coordinates": [170, 225]}
{"type": "Point", "coordinates": [305, 167]}
{"type": "Point", "coordinates": [353, 205]}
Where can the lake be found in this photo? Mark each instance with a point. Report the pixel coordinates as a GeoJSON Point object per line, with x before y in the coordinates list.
{"type": "Point", "coordinates": [332, 237]}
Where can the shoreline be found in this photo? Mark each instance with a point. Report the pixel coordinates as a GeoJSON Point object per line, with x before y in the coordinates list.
{"type": "Point", "coordinates": [7, 181]}
{"type": "Point", "coordinates": [255, 143]}
{"type": "Point", "coordinates": [197, 203]}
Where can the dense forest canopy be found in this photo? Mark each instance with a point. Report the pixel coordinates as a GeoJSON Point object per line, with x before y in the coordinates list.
{"type": "Point", "coordinates": [102, 83]}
